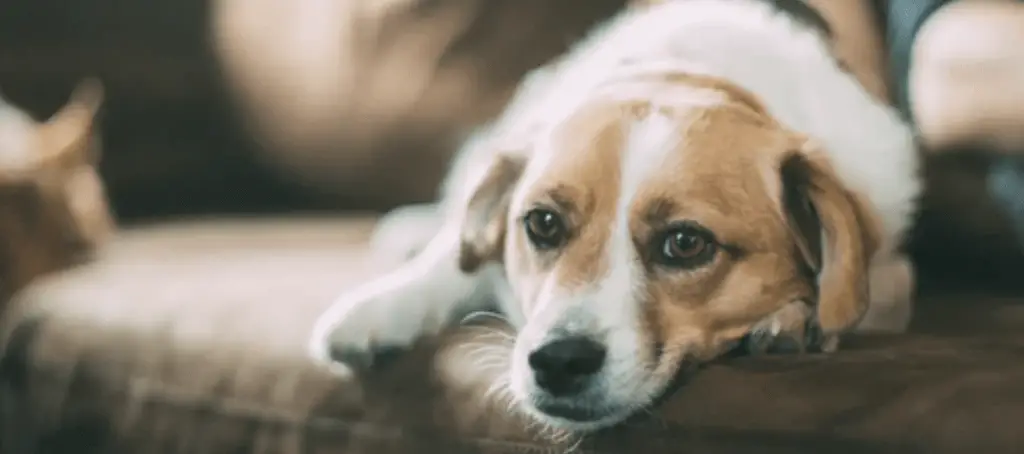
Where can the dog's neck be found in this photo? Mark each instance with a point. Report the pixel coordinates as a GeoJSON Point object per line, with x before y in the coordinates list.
{"type": "Point", "coordinates": [754, 44]}
{"type": "Point", "coordinates": [750, 43]}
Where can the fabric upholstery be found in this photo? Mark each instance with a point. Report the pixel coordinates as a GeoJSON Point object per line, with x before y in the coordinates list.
{"type": "Point", "coordinates": [190, 338]}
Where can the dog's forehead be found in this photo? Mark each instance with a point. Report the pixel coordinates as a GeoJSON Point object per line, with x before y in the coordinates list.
{"type": "Point", "coordinates": [714, 151]}
{"type": "Point", "coordinates": [721, 152]}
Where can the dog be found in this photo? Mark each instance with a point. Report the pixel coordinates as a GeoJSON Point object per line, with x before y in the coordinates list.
{"type": "Point", "coordinates": [693, 175]}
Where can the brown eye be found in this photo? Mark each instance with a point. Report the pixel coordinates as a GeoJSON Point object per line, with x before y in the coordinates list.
{"type": "Point", "coordinates": [686, 247]}
{"type": "Point", "coordinates": [544, 229]}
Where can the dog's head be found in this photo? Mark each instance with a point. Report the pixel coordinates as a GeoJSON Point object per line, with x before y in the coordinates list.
{"type": "Point", "coordinates": [640, 237]}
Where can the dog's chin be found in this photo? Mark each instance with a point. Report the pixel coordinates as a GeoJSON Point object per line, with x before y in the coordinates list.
{"type": "Point", "coordinates": [593, 410]}
{"type": "Point", "coordinates": [577, 417]}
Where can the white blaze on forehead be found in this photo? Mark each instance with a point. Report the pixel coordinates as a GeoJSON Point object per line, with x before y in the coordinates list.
{"type": "Point", "coordinates": [610, 303]}
{"type": "Point", "coordinates": [649, 143]}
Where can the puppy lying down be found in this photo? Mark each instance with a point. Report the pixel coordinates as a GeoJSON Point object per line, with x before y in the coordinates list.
{"type": "Point", "coordinates": [695, 173]}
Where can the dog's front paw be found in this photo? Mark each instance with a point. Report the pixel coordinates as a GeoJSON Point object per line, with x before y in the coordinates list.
{"type": "Point", "coordinates": [363, 331]}
{"type": "Point", "coordinates": [792, 329]}
{"type": "Point", "coordinates": [363, 357]}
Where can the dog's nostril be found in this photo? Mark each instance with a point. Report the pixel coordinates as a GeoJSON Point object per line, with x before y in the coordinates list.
{"type": "Point", "coordinates": [562, 366]}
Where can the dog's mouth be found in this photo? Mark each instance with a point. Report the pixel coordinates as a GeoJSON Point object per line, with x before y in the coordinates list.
{"type": "Point", "coordinates": [597, 410]}
{"type": "Point", "coordinates": [578, 416]}
{"type": "Point", "coordinates": [574, 413]}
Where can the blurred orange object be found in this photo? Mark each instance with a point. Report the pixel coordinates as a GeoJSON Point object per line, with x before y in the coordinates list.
{"type": "Point", "coordinates": [53, 206]}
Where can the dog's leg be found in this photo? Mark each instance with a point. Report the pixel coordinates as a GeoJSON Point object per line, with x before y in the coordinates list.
{"type": "Point", "coordinates": [393, 311]}
{"type": "Point", "coordinates": [791, 329]}
{"type": "Point", "coordinates": [404, 232]}
{"type": "Point", "coordinates": [892, 295]}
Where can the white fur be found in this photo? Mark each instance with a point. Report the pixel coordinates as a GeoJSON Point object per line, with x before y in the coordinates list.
{"type": "Point", "coordinates": [786, 65]}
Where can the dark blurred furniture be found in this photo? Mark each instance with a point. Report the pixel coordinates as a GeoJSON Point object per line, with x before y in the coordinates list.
{"type": "Point", "coordinates": [181, 137]}
{"type": "Point", "coordinates": [171, 141]}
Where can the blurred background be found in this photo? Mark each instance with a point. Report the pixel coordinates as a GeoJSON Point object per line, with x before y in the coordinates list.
{"type": "Point", "coordinates": [220, 107]}
{"type": "Point", "coordinates": [237, 106]}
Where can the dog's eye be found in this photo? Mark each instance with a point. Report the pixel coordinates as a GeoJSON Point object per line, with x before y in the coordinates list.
{"type": "Point", "coordinates": [544, 228]}
{"type": "Point", "coordinates": [686, 247]}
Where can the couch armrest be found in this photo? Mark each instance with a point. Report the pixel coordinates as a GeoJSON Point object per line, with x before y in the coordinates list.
{"type": "Point", "coordinates": [191, 338]}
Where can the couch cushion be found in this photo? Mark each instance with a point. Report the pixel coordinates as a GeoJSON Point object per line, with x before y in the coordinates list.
{"type": "Point", "coordinates": [190, 337]}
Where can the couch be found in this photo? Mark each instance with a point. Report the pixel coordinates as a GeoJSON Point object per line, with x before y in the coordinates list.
{"type": "Point", "coordinates": [187, 334]}
{"type": "Point", "coordinates": [190, 337]}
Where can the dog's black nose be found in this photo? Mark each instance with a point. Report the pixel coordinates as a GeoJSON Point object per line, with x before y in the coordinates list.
{"type": "Point", "coordinates": [562, 366]}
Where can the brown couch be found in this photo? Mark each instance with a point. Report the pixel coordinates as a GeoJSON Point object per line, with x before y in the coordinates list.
{"type": "Point", "coordinates": [189, 337]}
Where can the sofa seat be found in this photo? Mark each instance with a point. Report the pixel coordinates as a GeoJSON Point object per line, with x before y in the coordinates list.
{"type": "Point", "coordinates": [189, 337]}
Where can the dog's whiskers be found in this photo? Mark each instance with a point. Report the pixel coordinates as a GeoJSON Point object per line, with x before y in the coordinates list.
{"type": "Point", "coordinates": [558, 436]}
{"type": "Point", "coordinates": [498, 389]}
{"type": "Point", "coordinates": [477, 349]}
{"type": "Point", "coordinates": [575, 445]}
{"type": "Point", "coordinates": [483, 315]}
{"type": "Point", "coordinates": [487, 332]}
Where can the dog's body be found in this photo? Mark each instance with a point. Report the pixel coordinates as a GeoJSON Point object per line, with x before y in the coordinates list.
{"type": "Point", "coordinates": [694, 172]}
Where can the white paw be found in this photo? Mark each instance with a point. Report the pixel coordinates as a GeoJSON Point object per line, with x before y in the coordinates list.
{"type": "Point", "coordinates": [393, 311]}
{"type": "Point", "coordinates": [363, 327]}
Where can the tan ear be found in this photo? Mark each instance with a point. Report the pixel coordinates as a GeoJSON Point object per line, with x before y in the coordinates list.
{"type": "Point", "coordinates": [68, 134]}
{"type": "Point", "coordinates": [483, 228]}
{"type": "Point", "coordinates": [834, 235]}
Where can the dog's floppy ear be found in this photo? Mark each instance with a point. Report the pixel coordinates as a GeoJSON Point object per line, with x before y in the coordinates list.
{"type": "Point", "coordinates": [833, 234]}
{"type": "Point", "coordinates": [483, 229]}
